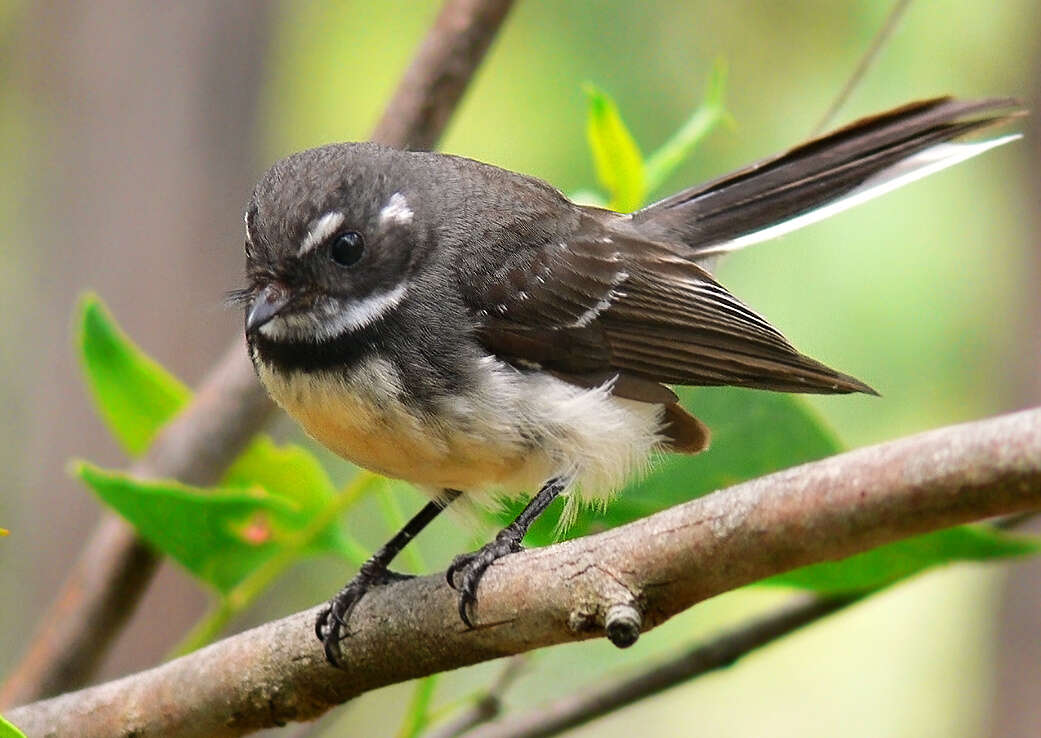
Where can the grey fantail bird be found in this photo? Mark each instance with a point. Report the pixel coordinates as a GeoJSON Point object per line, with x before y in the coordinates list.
{"type": "Point", "coordinates": [474, 332]}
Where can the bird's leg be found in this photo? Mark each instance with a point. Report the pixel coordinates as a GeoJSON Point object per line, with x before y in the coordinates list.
{"type": "Point", "coordinates": [466, 570]}
{"type": "Point", "coordinates": [332, 620]}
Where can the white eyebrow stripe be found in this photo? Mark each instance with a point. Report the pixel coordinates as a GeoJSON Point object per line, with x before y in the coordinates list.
{"type": "Point", "coordinates": [321, 230]}
{"type": "Point", "coordinates": [396, 210]}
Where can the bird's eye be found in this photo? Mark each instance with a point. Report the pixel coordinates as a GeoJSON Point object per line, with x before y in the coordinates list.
{"type": "Point", "coordinates": [347, 248]}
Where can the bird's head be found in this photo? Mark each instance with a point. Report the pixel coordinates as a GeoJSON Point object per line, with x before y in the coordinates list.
{"type": "Point", "coordinates": [331, 241]}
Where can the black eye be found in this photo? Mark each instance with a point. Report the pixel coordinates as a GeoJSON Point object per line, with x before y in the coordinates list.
{"type": "Point", "coordinates": [347, 249]}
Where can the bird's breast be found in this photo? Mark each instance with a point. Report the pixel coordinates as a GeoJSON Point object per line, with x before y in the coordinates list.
{"type": "Point", "coordinates": [362, 417]}
{"type": "Point", "coordinates": [506, 435]}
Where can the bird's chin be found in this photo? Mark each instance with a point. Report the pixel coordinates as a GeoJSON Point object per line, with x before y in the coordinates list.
{"type": "Point", "coordinates": [306, 327]}
{"type": "Point", "coordinates": [325, 319]}
{"type": "Point", "coordinates": [329, 318]}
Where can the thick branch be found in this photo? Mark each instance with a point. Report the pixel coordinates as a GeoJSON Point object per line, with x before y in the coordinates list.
{"type": "Point", "coordinates": [662, 565]}
{"type": "Point", "coordinates": [115, 568]}
{"type": "Point", "coordinates": [719, 652]}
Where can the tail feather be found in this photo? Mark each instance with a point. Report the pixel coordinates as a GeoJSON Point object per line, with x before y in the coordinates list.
{"type": "Point", "coordinates": [825, 176]}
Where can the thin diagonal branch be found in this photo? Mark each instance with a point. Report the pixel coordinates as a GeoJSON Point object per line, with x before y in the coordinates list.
{"type": "Point", "coordinates": [486, 708]}
{"type": "Point", "coordinates": [442, 69]}
{"type": "Point", "coordinates": [658, 567]}
{"type": "Point", "coordinates": [115, 568]}
{"type": "Point", "coordinates": [722, 651]}
{"type": "Point", "coordinates": [869, 57]}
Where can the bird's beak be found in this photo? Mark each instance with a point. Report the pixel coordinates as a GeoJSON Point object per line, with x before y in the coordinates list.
{"type": "Point", "coordinates": [266, 306]}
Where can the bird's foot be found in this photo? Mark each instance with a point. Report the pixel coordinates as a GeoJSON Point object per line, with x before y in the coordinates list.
{"type": "Point", "coordinates": [466, 570]}
{"type": "Point", "coordinates": [331, 625]}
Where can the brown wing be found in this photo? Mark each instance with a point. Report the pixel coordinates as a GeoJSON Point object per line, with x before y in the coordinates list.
{"type": "Point", "coordinates": [612, 305]}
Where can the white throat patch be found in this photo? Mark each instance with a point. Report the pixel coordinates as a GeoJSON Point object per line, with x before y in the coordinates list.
{"type": "Point", "coordinates": [363, 312]}
{"type": "Point", "coordinates": [329, 318]}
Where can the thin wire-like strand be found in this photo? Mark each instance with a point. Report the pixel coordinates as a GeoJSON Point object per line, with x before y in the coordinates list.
{"type": "Point", "coordinates": [869, 57]}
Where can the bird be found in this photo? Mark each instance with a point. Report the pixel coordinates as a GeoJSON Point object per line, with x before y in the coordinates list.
{"type": "Point", "coordinates": [474, 332]}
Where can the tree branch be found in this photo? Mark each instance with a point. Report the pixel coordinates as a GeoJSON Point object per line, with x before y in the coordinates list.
{"type": "Point", "coordinates": [721, 651]}
{"type": "Point", "coordinates": [487, 707]}
{"type": "Point", "coordinates": [657, 566]}
{"type": "Point", "coordinates": [435, 81]}
{"type": "Point", "coordinates": [115, 568]}
{"type": "Point", "coordinates": [577, 709]}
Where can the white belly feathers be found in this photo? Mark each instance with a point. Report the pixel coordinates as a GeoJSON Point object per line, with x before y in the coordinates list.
{"type": "Point", "coordinates": [504, 438]}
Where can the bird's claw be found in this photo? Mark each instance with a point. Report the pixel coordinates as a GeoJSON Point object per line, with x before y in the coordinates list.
{"type": "Point", "coordinates": [330, 626]}
{"type": "Point", "coordinates": [465, 572]}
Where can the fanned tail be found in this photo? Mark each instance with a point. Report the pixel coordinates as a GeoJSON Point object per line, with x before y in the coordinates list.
{"type": "Point", "coordinates": [818, 179]}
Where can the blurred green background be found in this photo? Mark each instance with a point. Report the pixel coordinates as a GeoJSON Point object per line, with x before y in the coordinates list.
{"type": "Point", "coordinates": [108, 113]}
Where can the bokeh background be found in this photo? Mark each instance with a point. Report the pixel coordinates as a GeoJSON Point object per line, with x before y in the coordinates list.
{"type": "Point", "coordinates": [131, 134]}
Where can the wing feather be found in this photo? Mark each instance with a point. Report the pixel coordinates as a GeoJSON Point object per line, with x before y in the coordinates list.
{"type": "Point", "coordinates": [623, 297]}
{"type": "Point", "coordinates": [606, 304]}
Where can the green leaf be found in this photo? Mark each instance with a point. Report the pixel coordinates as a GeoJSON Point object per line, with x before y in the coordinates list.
{"type": "Point", "coordinates": [753, 433]}
{"type": "Point", "coordinates": [618, 162]}
{"type": "Point", "coordinates": [708, 115]}
{"type": "Point", "coordinates": [220, 535]}
{"type": "Point", "coordinates": [293, 474]}
{"type": "Point", "coordinates": [887, 564]}
{"type": "Point", "coordinates": [136, 396]}
{"type": "Point", "coordinates": [7, 730]}
{"type": "Point", "coordinates": [133, 393]}
{"type": "Point", "coordinates": [275, 504]}
{"type": "Point", "coordinates": [249, 587]}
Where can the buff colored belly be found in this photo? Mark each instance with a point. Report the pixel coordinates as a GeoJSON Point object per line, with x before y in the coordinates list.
{"type": "Point", "coordinates": [379, 434]}
{"type": "Point", "coordinates": [507, 435]}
